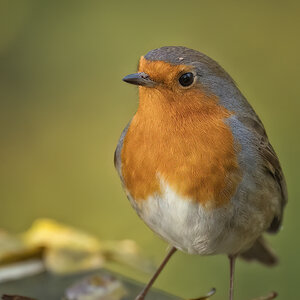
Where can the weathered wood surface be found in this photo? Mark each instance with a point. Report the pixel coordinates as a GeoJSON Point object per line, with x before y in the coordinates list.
{"type": "Point", "coordinates": [46, 286]}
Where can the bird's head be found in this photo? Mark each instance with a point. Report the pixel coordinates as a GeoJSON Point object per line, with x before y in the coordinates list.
{"type": "Point", "coordinates": [179, 71]}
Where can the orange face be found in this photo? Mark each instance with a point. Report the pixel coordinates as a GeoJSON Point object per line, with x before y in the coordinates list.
{"type": "Point", "coordinates": [164, 74]}
{"type": "Point", "coordinates": [179, 135]}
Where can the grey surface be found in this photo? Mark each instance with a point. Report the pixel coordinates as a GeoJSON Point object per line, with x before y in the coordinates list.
{"type": "Point", "coordinates": [47, 286]}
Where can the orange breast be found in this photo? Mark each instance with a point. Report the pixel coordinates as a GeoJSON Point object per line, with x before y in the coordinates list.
{"type": "Point", "coordinates": [184, 140]}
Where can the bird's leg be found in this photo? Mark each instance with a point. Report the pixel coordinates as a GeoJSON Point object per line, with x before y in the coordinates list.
{"type": "Point", "coordinates": [232, 259]}
{"type": "Point", "coordinates": [144, 292]}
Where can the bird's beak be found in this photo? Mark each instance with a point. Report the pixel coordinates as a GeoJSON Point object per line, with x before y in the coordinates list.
{"type": "Point", "coordinates": [141, 78]}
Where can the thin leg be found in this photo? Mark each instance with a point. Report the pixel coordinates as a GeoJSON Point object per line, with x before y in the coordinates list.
{"type": "Point", "coordinates": [232, 267]}
{"type": "Point", "coordinates": [144, 292]}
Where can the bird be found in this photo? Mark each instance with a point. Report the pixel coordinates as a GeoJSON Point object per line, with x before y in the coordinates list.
{"type": "Point", "coordinates": [196, 163]}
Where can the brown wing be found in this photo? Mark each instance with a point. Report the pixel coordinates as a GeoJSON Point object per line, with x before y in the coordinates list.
{"type": "Point", "coordinates": [271, 162]}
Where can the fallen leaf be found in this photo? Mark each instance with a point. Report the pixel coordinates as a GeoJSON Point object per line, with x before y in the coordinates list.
{"type": "Point", "coordinates": [48, 233]}
{"type": "Point", "coordinates": [13, 249]}
{"type": "Point", "coordinates": [67, 260]}
{"type": "Point", "coordinates": [66, 249]}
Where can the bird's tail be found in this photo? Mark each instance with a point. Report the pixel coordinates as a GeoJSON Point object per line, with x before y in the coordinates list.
{"type": "Point", "coordinates": [260, 252]}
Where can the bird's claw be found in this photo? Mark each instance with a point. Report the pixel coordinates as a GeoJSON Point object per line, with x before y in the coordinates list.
{"type": "Point", "coordinates": [271, 296]}
{"type": "Point", "coordinates": [207, 296]}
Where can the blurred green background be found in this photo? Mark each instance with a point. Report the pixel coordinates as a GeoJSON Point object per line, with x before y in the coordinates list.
{"type": "Point", "coordinates": [63, 106]}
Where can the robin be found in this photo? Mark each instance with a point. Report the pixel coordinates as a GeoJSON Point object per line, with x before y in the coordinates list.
{"type": "Point", "coordinates": [196, 163]}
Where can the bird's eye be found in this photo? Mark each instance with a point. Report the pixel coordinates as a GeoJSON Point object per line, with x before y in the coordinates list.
{"type": "Point", "coordinates": [186, 79]}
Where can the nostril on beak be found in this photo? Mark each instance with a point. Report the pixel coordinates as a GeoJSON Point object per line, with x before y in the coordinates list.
{"type": "Point", "coordinates": [141, 79]}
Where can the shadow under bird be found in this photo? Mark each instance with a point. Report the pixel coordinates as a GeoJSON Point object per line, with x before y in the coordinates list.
{"type": "Point", "coordinates": [196, 163]}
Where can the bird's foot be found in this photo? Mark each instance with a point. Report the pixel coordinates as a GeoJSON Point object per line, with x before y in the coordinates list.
{"type": "Point", "coordinates": [207, 296]}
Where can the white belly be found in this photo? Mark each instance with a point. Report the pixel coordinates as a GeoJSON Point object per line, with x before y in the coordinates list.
{"type": "Point", "coordinates": [190, 227]}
